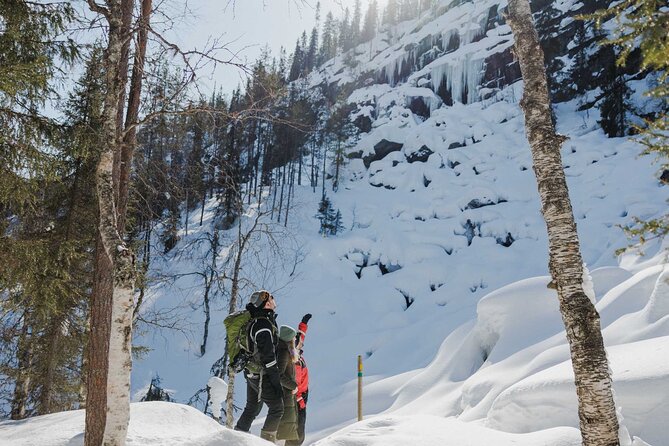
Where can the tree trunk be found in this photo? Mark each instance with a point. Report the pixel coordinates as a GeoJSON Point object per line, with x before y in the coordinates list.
{"type": "Point", "coordinates": [126, 10]}
{"type": "Point", "coordinates": [130, 136]}
{"type": "Point", "coordinates": [108, 406]}
{"type": "Point", "coordinates": [597, 414]}
{"type": "Point", "coordinates": [229, 399]}
{"type": "Point", "coordinates": [276, 186]}
{"type": "Point", "coordinates": [325, 156]}
{"type": "Point", "coordinates": [22, 384]}
{"type": "Point", "coordinates": [47, 378]}
{"type": "Point", "coordinates": [146, 261]}
{"type": "Point", "coordinates": [335, 184]}
{"type": "Point", "coordinates": [283, 183]}
{"type": "Point", "coordinates": [313, 167]}
{"type": "Point", "coordinates": [291, 176]}
{"type": "Point", "coordinates": [299, 170]}
{"type": "Point", "coordinates": [208, 283]}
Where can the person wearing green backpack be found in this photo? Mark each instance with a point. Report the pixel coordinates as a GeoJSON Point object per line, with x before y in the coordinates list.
{"type": "Point", "coordinates": [263, 384]}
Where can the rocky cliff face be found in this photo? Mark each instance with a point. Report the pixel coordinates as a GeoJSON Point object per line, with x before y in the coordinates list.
{"type": "Point", "coordinates": [463, 52]}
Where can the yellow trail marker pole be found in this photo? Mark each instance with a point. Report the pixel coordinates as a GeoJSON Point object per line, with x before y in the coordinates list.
{"type": "Point", "coordinates": [359, 387]}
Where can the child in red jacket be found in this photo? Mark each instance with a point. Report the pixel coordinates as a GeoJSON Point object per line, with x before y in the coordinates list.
{"type": "Point", "coordinates": [302, 378]}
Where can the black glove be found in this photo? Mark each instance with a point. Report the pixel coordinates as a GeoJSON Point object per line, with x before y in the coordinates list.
{"type": "Point", "coordinates": [276, 384]}
{"type": "Point", "coordinates": [306, 318]}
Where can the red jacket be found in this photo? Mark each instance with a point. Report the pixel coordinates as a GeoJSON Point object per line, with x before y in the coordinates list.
{"type": "Point", "coordinates": [302, 372]}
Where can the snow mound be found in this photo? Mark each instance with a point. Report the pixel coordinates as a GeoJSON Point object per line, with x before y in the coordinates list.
{"type": "Point", "coordinates": [548, 398]}
{"type": "Point", "coordinates": [510, 370]}
{"type": "Point", "coordinates": [151, 424]}
{"type": "Point", "coordinates": [438, 431]}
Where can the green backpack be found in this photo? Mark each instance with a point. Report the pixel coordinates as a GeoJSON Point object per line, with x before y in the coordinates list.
{"type": "Point", "coordinates": [241, 350]}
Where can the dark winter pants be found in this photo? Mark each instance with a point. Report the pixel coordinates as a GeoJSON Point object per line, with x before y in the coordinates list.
{"type": "Point", "coordinates": [253, 406]}
{"type": "Point", "coordinates": [301, 421]}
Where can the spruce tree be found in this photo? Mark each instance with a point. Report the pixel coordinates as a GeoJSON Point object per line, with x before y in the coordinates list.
{"type": "Point", "coordinates": [345, 41]}
{"type": "Point", "coordinates": [296, 63]}
{"type": "Point", "coordinates": [329, 45]}
{"type": "Point", "coordinates": [356, 22]}
{"type": "Point", "coordinates": [371, 22]}
{"type": "Point", "coordinates": [391, 13]}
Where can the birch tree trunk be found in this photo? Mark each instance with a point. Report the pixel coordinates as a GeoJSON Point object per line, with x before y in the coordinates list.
{"type": "Point", "coordinates": [597, 414]}
{"type": "Point", "coordinates": [109, 363]}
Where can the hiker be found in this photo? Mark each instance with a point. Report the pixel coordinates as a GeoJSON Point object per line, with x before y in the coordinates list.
{"type": "Point", "coordinates": [302, 378]}
{"type": "Point", "coordinates": [287, 356]}
{"type": "Point", "coordinates": [263, 385]}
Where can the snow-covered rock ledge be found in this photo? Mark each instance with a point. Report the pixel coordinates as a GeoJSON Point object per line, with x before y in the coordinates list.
{"type": "Point", "coordinates": [151, 424]}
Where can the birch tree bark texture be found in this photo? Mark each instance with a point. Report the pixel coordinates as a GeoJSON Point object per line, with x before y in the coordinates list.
{"type": "Point", "coordinates": [109, 351]}
{"type": "Point", "coordinates": [597, 414]}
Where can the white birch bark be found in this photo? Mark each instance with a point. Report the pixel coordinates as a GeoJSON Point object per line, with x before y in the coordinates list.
{"type": "Point", "coordinates": [108, 405]}
{"type": "Point", "coordinates": [597, 413]}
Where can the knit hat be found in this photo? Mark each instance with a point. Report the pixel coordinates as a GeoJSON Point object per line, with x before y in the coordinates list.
{"type": "Point", "coordinates": [259, 298]}
{"type": "Point", "coordinates": [286, 333]}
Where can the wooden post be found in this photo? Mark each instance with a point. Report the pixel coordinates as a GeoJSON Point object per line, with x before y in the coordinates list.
{"type": "Point", "coordinates": [359, 387]}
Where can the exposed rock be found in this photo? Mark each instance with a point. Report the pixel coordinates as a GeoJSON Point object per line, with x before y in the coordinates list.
{"type": "Point", "coordinates": [363, 123]}
{"type": "Point", "coordinates": [354, 155]}
{"type": "Point", "coordinates": [455, 145]}
{"type": "Point", "coordinates": [665, 176]}
{"type": "Point", "coordinates": [501, 69]}
{"type": "Point", "coordinates": [390, 268]}
{"type": "Point", "coordinates": [508, 241]}
{"type": "Point", "coordinates": [481, 202]}
{"type": "Point", "coordinates": [420, 155]}
{"type": "Point", "coordinates": [419, 108]}
{"type": "Point", "coordinates": [381, 149]}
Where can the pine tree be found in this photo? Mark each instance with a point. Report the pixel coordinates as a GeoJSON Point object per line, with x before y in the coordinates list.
{"type": "Point", "coordinates": [30, 42]}
{"type": "Point", "coordinates": [408, 9]}
{"type": "Point", "coordinates": [329, 45]}
{"type": "Point", "coordinates": [355, 24]}
{"type": "Point", "coordinates": [391, 13]}
{"type": "Point", "coordinates": [371, 21]}
{"type": "Point", "coordinates": [311, 56]}
{"type": "Point", "coordinates": [311, 59]}
{"type": "Point", "coordinates": [345, 41]}
{"type": "Point", "coordinates": [45, 285]}
{"type": "Point", "coordinates": [296, 63]}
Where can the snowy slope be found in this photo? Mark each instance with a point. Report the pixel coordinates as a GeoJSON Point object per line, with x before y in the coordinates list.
{"type": "Point", "coordinates": [457, 350]}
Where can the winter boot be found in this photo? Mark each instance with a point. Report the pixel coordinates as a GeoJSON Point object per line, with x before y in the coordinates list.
{"type": "Point", "coordinates": [268, 435]}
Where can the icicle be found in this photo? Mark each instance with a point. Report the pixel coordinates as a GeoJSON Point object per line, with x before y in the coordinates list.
{"type": "Point", "coordinates": [460, 75]}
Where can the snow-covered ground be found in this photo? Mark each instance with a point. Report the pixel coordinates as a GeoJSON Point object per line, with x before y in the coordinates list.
{"type": "Point", "coordinates": [480, 355]}
{"type": "Point", "coordinates": [481, 348]}
{"type": "Point", "coordinates": [151, 424]}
